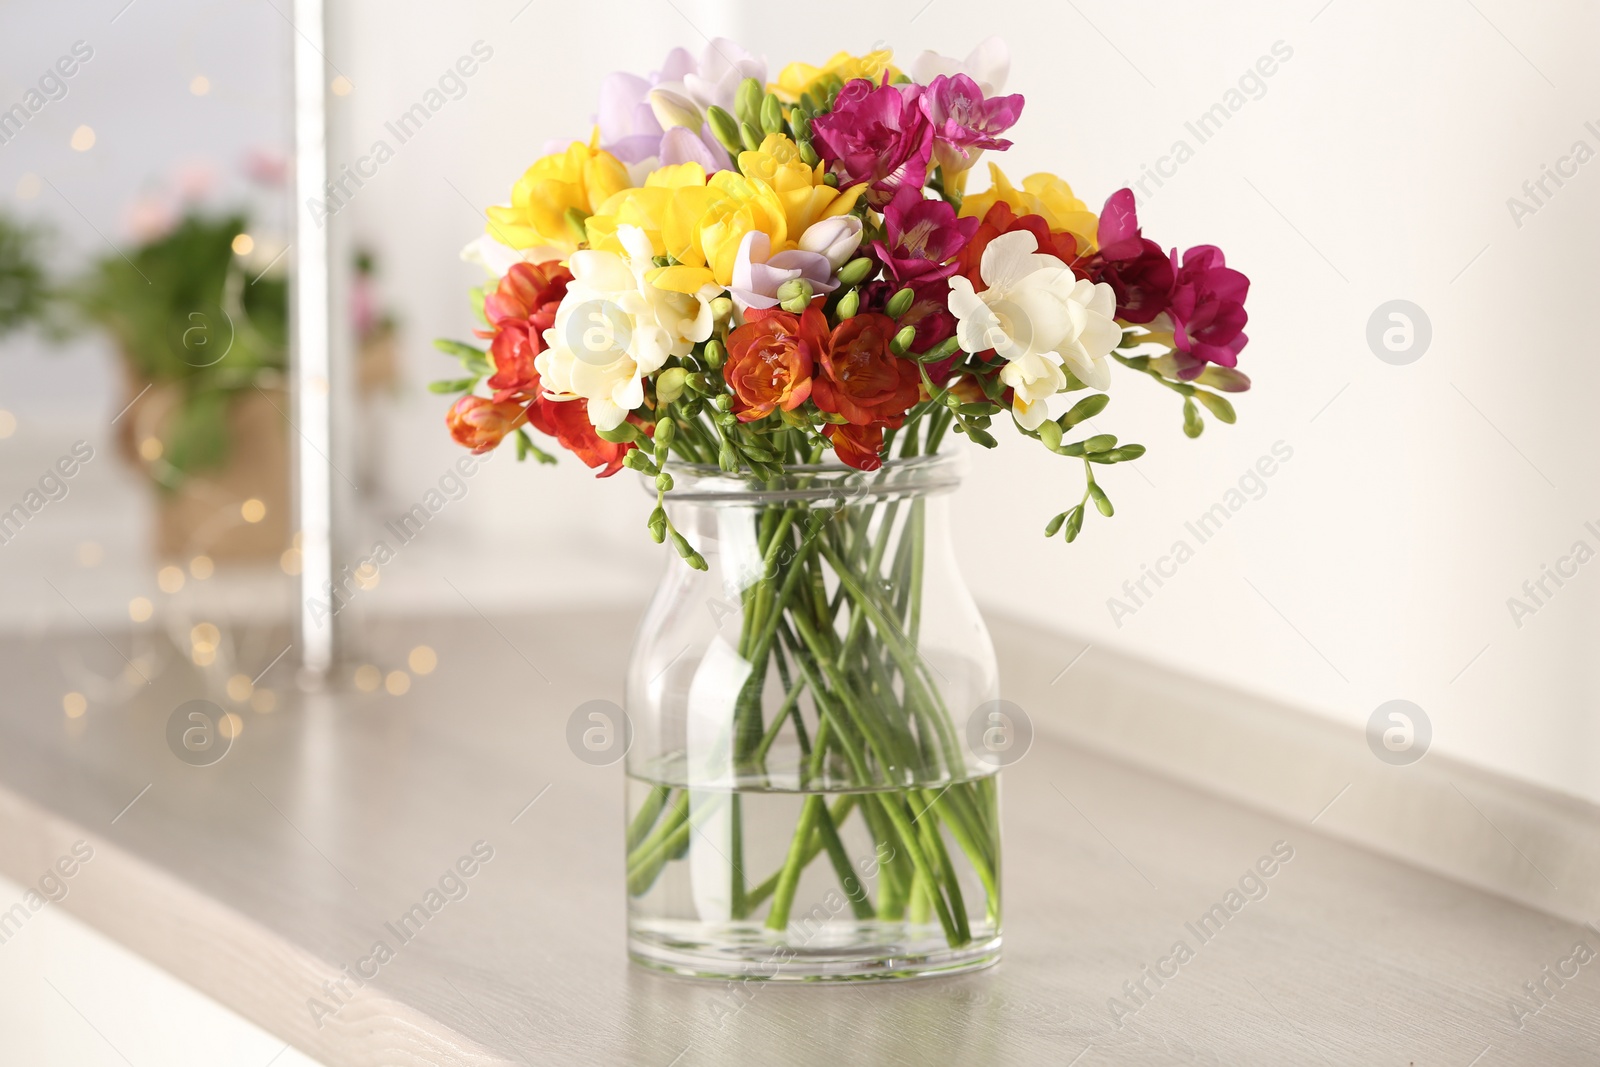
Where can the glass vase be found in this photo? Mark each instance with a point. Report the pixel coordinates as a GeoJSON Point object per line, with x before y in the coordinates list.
{"type": "Point", "coordinates": [803, 801]}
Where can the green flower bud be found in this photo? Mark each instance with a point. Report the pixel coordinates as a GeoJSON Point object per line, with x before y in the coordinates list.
{"type": "Point", "coordinates": [902, 340]}
{"type": "Point", "coordinates": [666, 430]}
{"type": "Point", "coordinates": [855, 272]}
{"type": "Point", "coordinates": [639, 461]}
{"type": "Point", "coordinates": [620, 435]}
{"type": "Point", "coordinates": [715, 355]}
{"type": "Point", "coordinates": [664, 482]}
{"type": "Point", "coordinates": [721, 308]}
{"type": "Point", "coordinates": [658, 525]}
{"type": "Point", "coordinates": [747, 101]}
{"type": "Point", "coordinates": [1104, 442]}
{"type": "Point", "coordinates": [727, 458]}
{"type": "Point", "coordinates": [1087, 408]}
{"type": "Point", "coordinates": [1074, 522]}
{"type": "Point", "coordinates": [1225, 378]}
{"type": "Point", "coordinates": [1053, 527]}
{"type": "Point", "coordinates": [669, 386]}
{"type": "Point", "coordinates": [1049, 433]}
{"type": "Point", "coordinates": [795, 295]}
{"type": "Point", "coordinates": [1101, 501]}
{"type": "Point", "coordinates": [900, 303]}
{"type": "Point", "coordinates": [1217, 405]}
{"type": "Point", "coordinates": [750, 136]}
{"type": "Point", "coordinates": [1193, 424]}
{"type": "Point", "coordinates": [808, 155]}
{"type": "Point", "coordinates": [848, 305]}
{"type": "Point", "coordinates": [725, 128]}
{"type": "Point", "coordinates": [772, 115]}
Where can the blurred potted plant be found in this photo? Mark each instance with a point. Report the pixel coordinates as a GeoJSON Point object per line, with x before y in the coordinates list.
{"type": "Point", "coordinates": [24, 289]}
{"type": "Point", "coordinates": [202, 325]}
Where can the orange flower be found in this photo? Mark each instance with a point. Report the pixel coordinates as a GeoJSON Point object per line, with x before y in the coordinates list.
{"type": "Point", "coordinates": [520, 310]}
{"type": "Point", "coordinates": [568, 422]}
{"type": "Point", "coordinates": [857, 446]}
{"type": "Point", "coordinates": [480, 424]}
{"type": "Point", "coordinates": [861, 379]}
{"type": "Point", "coordinates": [770, 359]}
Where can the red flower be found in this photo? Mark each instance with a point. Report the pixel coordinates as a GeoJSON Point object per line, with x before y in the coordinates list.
{"type": "Point", "coordinates": [568, 422]}
{"type": "Point", "coordinates": [861, 379]}
{"type": "Point", "coordinates": [1001, 219]}
{"type": "Point", "coordinates": [520, 310]}
{"type": "Point", "coordinates": [480, 424]}
{"type": "Point", "coordinates": [857, 446]}
{"type": "Point", "coordinates": [770, 360]}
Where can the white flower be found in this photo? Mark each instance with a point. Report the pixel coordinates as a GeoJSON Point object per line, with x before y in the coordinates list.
{"type": "Point", "coordinates": [989, 65]}
{"type": "Point", "coordinates": [836, 237]}
{"type": "Point", "coordinates": [1037, 316]}
{"type": "Point", "coordinates": [613, 329]}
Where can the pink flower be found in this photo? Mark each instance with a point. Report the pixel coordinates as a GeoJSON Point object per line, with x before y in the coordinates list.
{"type": "Point", "coordinates": [923, 237]}
{"type": "Point", "coordinates": [878, 135]}
{"type": "Point", "coordinates": [1207, 310]}
{"type": "Point", "coordinates": [1135, 267]}
{"type": "Point", "coordinates": [964, 122]}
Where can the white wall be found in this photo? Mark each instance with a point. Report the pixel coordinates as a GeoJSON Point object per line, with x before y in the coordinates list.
{"type": "Point", "coordinates": [1375, 166]}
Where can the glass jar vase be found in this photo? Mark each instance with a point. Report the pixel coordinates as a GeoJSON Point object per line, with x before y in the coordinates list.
{"type": "Point", "coordinates": [803, 802]}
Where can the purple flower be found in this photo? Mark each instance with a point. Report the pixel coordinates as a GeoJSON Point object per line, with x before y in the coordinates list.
{"type": "Point", "coordinates": [630, 128]}
{"type": "Point", "coordinates": [964, 122]}
{"type": "Point", "coordinates": [1207, 310]}
{"type": "Point", "coordinates": [922, 235]}
{"type": "Point", "coordinates": [757, 273]}
{"type": "Point", "coordinates": [878, 135]}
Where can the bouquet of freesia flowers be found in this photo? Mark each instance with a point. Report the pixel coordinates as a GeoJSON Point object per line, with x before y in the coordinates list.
{"type": "Point", "coordinates": [773, 283]}
{"type": "Point", "coordinates": [750, 275]}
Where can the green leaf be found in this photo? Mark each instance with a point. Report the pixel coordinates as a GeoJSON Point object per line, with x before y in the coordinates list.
{"type": "Point", "coordinates": [472, 359]}
{"type": "Point", "coordinates": [1217, 405]}
{"type": "Point", "coordinates": [452, 385]}
{"type": "Point", "coordinates": [1087, 408]}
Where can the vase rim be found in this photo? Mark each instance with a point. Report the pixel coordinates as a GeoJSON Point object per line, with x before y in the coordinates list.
{"type": "Point", "coordinates": [912, 475]}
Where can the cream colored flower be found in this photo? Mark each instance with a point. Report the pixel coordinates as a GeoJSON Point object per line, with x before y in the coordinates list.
{"type": "Point", "coordinates": [614, 329]}
{"type": "Point", "coordinates": [1039, 317]}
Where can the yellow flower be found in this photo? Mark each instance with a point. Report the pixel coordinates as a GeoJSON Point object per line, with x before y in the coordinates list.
{"type": "Point", "coordinates": [644, 207]}
{"type": "Point", "coordinates": [799, 78]}
{"type": "Point", "coordinates": [703, 226]}
{"type": "Point", "coordinates": [805, 196]}
{"type": "Point", "coordinates": [579, 179]}
{"type": "Point", "coordinates": [1041, 194]}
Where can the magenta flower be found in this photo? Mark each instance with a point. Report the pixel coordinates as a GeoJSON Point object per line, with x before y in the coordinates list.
{"type": "Point", "coordinates": [964, 122]}
{"type": "Point", "coordinates": [923, 237]}
{"type": "Point", "coordinates": [1207, 310]}
{"type": "Point", "coordinates": [1135, 267]}
{"type": "Point", "coordinates": [878, 135]}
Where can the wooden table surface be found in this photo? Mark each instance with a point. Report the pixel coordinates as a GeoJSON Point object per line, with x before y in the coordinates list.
{"type": "Point", "coordinates": [259, 878]}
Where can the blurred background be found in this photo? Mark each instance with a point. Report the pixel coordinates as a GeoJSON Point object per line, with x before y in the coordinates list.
{"type": "Point", "coordinates": [1431, 161]}
{"type": "Point", "coordinates": [1380, 161]}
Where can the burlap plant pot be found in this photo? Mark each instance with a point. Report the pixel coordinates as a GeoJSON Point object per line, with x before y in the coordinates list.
{"type": "Point", "coordinates": [207, 513]}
